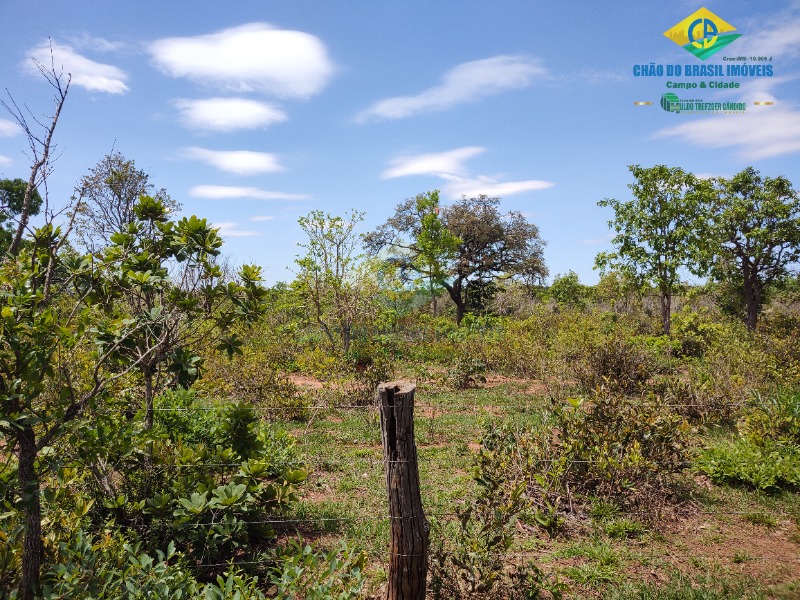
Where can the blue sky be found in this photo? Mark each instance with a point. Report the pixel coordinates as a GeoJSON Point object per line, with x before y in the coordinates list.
{"type": "Point", "coordinates": [253, 113]}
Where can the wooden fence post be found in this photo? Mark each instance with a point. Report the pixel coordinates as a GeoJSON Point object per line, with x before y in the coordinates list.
{"type": "Point", "coordinates": [408, 547]}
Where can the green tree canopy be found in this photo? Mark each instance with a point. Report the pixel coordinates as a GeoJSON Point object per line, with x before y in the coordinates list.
{"type": "Point", "coordinates": [466, 247]}
{"type": "Point", "coordinates": [755, 236]}
{"type": "Point", "coordinates": [108, 194]}
{"type": "Point", "coordinates": [658, 232]}
{"type": "Point", "coordinates": [12, 197]}
{"type": "Point", "coordinates": [339, 290]}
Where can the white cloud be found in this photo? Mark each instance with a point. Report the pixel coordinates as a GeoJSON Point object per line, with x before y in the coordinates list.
{"type": "Point", "coordinates": [449, 167]}
{"type": "Point", "coordinates": [8, 128]}
{"type": "Point", "coordinates": [241, 162]}
{"type": "Point", "coordinates": [5, 161]}
{"type": "Point", "coordinates": [262, 218]}
{"type": "Point", "coordinates": [449, 163]}
{"type": "Point", "coordinates": [228, 114]}
{"type": "Point", "coordinates": [596, 242]}
{"type": "Point", "coordinates": [251, 57]}
{"type": "Point", "coordinates": [219, 192]}
{"type": "Point", "coordinates": [96, 44]}
{"type": "Point", "coordinates": [231, 229]}
{"type": "Point", "coordinates": [489, 186]}
{"type": "Point", "coordinates": [759, 133]}
{"type": "Point", "coordinates": [466, 82]}
{"type": "Point", "coordinates": [86, 73]}
{"type": "Point", "coordinates": [778, 38]}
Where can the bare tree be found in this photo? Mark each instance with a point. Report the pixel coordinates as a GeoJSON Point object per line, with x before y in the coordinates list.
{"type": "Point", "coordinates": [110, 190]}
{"type": "Point", "coordinates": [40, 144]}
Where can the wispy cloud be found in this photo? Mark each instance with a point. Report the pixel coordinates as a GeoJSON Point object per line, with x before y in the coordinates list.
{"type": "Point", "coordinates": [759, 133]}
{"type": "Point", "coordinates": [231, 229]}
{"type": "Point", "coordinates": [5, 161]}
{"type": "Point", "coordinates": [260, 218]}
{"type": "Point", "coordinates": [8, 128]}
{"type": "Point", "coordinates": [86, 73]}
{"type": "Point", "coordinates": [467, 82]}
{"type": "Point", "coordinates": [490, 186]}
{"type": "Point", "coordinates": [228, 114]}
{"type": "Point", "coordinates": [777, 37]}
{"type": "Point", "coordinates": [86, 41]}
{"type": "Point", "coordinates": [607, 240]}
{"type": "Point", "coordinates": [229, 192]}
{"type": "Point", "coordinates": [449, 163]}
{"type": "Point", "coordinates": [449, 166]}
{"type": "Point", "coordinates": [241, 162]}
{"type": "Point", "coordinates": [252, 57]}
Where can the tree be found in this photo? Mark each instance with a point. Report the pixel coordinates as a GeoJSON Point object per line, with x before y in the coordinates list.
{"type": "Point", "coordinates": [31, 334]}
{"type": "Point", "coordinates": [466, 247]}
{"type": "Point", "coordinates": [71, 325]}
{"type": "Point", "coordinates": [46, 317]}
{"type": "Point", "coordinates": [659, 232]}
{"type": "Point", "coordinates": [335, 285]}
{"type": "Point", "coordinates": [39, 144]}
{"type": "Point", "coordinates": [109, 193]}
{"type": "Point", "coordinates": [161, 274]}
{"type": "Point", "coordinates": [436, 243]}
{"type": "Point", "coordinates": [567, 290]}
{"type": "Point", "coordinates": [12, 201]}
{"type": "Point", "coordinates": [755, 234]}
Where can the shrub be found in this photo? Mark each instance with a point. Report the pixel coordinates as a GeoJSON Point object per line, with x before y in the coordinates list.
{"type": "Point", "coordinates": [250, 378]}
{"type": "Point", "coordinates": [774, 418]}
{"type": "Point", "coordinates": [302, 572]}
{"type": "Point", "coordinates": [601, 350]}
{"type": "Point", "coordinates": [567, 290]}
{"type": "Point", "coordinates": [694, 331]}
{"type": "Point", "coordinates": [621, 448]}
{"type": "Point", "coordinates": [466, 373]}
{"type": "Point", "coordinates": [471, 561]}
{"type": "Point", "coordinates": [767, 468]}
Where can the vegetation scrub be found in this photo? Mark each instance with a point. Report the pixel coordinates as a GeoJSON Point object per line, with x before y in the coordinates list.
{"type": "Point", "coordinates": [29, 486]}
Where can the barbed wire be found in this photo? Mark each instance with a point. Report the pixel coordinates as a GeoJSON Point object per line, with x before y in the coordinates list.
{"type": "Point", "coordinates": [445, 408]}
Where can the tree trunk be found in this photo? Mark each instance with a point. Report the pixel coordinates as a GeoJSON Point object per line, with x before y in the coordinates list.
{"type": "Point", "coordinates": [433, 297]}
{"type": "Point", "coordinates": [454, 291]}
{"type": "Point", "coordinates": [752, 294]}
{"type": "Point", "coordinates": [32, 509]}
{"type": "Point", "coordinates": [148, 398]}
{"type": "Point", "coordinates": [666, 311]}
{"type": "Point", "coordinates": [346, 338]}
{"type": "Point", "coordinates": [408, 546]}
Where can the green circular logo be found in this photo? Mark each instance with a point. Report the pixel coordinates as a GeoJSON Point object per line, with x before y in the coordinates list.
{"type": "Point", "coordinates": [670, 102]}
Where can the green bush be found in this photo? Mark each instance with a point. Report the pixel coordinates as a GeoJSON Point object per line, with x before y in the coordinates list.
{"type": "Point", "coordinates": [773, 418]}
{"type": "Point", "coordinates": [466, 373]}
{"type": "Point", "coordinates": [694, 332]}
{"type": "Point", "coordinates": [768, 468]}
{"type": "Point", "coordinates": [598, 349]}
{"type": "Point", "coordinates": [621, 448]}
{"type": "Point", "coordinates": [252, 378]}
{"type": "Point", "coordinates": [302, 572]}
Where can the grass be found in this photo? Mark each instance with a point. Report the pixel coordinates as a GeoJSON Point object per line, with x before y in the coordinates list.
{"type": "Point", "coordinates": [760, 518]}
{"type": "Point", "coordinates": [346, 496]}
{"type": "Point", "coordinates": [716, 587]}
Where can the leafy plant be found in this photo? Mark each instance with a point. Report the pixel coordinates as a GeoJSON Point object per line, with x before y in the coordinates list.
{"type": "Point", "coordinates": [773, 418]}
{"type": "Point", "coordinates": [467, 372]}
{"type": "Point", "coordinates": [619, 448]}
{"type": "Point", "coordinates": [769, 468]}
{"type": "Point", "coordinates": [303, 573]}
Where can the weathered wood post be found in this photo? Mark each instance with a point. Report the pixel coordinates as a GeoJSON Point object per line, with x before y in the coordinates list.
{"type": "Point", "coordinates": [408, 547]}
